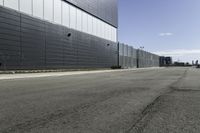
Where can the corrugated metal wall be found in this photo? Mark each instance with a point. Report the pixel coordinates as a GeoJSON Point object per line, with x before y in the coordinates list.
{"type": "Point", "coordinates": [30, 43]}
{"type": "Point", "coordinates": [127, 56]}
{"type": "Point", "coordinates": [132, 58]}
{"type": "Point", "coordinates": [107, 10]}
{"type": "Point", "coordinates": [146, 59]}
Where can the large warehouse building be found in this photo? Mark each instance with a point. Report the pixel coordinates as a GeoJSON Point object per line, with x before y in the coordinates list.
{"type": "Point", "coordinates": [47, 34]}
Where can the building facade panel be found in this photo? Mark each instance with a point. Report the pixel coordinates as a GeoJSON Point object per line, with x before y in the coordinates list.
{"type": "Point", "coordinates": [32, 42]}
{"type": "Point", "coordinates": [10, 47]}
{"type": "Point", "coordinates": [105, 9]}
{"type": "Point", "coordinates": [146, 59]}
{"type": "Point", "coordinates": [127, 56]}
{"type": "Point", "coordinates": [28, 42]}
{"type": "Point", "coordinates": [67, 14]}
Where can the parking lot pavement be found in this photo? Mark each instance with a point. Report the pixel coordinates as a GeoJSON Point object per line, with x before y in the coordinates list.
{"type": "Point", "coordinates": [113, 102]}
{"type": "Point", "coordinates": [175, 112]}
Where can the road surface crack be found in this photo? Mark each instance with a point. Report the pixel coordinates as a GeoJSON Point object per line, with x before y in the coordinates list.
{"type": "Point", "coordinates": [149, 111]}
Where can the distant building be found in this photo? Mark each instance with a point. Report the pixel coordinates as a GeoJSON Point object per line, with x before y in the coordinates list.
{"type": "Point", "coordinates": [168, 60]}
{"type": "Point", "coordinates": [162, 61]}
{"type": "Point", "coordinates": [197, 62]}
{"type": "Point", "coordinates": [192, 62]}
{"type": "Point", "coordinates": [165, 61]}
{"type": "Point", "coordinates": [179, 64]}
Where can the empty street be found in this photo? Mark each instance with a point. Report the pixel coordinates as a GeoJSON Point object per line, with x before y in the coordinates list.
{"type": "Point", "coordinates": [159, 100]}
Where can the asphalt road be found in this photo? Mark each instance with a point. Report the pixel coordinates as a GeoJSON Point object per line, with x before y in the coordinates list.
{"type": "Point", "coordinates": [142, 101]}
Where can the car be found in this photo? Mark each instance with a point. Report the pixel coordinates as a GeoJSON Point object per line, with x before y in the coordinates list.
{"type": "Point", "coordinates": [198, 66]}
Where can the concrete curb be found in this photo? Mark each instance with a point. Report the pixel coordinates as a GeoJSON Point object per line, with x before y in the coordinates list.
{"type": "Point", "coordinates": [46, 71]}
{"type": "Point", "coordinates": [58, 74]}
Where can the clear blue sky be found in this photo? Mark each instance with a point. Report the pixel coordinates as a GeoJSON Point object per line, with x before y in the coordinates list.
{"type": "Point", "coordinates": [170, 27]}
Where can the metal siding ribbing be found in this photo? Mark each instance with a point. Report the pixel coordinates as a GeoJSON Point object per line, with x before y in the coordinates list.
{"type": "Point", "coordinates": [10, 46]}
{"type": "Point", "coordinates": [132, 58]}
{"type": "Point", "coordinates": [146, 59]}
{"type": "Point", "coordinates": [104, 9]}
{"type": "Point", "coordinates": [127, 56]}
{"type": "Point", "coordinates": [30, 43]}
{"type": "Point", "coordinates": [54, 46]}
{"type": "Point", "coordinates": [121, 54]}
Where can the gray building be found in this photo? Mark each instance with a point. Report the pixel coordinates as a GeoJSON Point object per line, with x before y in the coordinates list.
{"type": "Point", "coordinates": [165, 61]}
{"type": "Point", "coordinates": [47, 34]}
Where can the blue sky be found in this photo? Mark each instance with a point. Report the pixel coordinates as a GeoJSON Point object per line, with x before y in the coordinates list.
{"type": "Point", "coordinates": [165, 27]}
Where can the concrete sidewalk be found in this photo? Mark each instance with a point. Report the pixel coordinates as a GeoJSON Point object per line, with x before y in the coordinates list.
{"type": "Point", "coordinates": [57, 74]}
